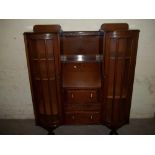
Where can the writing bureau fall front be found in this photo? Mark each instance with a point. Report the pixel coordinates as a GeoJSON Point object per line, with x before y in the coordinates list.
{"type": "Point", "coordinates": [81, 77]}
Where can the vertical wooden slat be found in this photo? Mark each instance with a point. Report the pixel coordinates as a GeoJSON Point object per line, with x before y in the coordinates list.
{"type": "Point", "coordinates": [129, 71]}
{"type": "Point", "coordinates": [122, 82]}
{"type": "Point", "coordinates": [57, 70]}
{"type": "Point", "coordinates": [53, 97]}
{"type": "Point", "coordinates": [41, 106]}
{"type": "Point", "coordinates": [114, 104]}
{"type": "Point", "coordinates": [106, 73]}
{"type": "Point", "coordinates": [38, 54]}
{"type": "Point", "coordinates": [46, 96]}
{"type": "Point", "coordinates": [47, 66]}
{"type": "Point", "coordinates": [42, 94]}
{"type": "Point", "coordinates": [121, 86]}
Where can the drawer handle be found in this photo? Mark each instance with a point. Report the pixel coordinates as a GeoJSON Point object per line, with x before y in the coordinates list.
{"type": "Point", "coordinates": [91, 117]}
{"type": "Point", "coordinates": [72, 95]}
{"type": "Point", "coordinates": [91, 95]}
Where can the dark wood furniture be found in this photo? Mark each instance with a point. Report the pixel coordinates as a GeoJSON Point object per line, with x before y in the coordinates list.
{"type": "Point", "coordinates": [81, 77]}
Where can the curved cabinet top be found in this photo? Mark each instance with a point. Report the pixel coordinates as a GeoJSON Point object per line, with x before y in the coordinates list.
{"type": "Point", "coordinates": [32, 35]}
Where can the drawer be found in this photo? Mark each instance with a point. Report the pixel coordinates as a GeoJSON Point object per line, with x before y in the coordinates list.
{"type": "Point", "coordinates": [81, 96]}
{"type": "Point", "coordinates": [82, 118]}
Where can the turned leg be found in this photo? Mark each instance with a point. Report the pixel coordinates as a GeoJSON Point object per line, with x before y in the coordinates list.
{"type": "Point", "coordinates": [113, 132]}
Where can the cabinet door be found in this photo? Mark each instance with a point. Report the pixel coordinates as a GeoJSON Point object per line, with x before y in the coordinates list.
{"type": "Point", "coordinates": [43, 59]}
{"type": "Point", "coordinates": [120, 48]}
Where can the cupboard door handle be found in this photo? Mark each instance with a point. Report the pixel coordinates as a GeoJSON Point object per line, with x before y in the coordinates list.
{"type": "Point", "coordinates": [91, 117]}
{"type": "Point", "coordinates": [72, 95]}
{"type": "Point", "coordinates": [91, 95]}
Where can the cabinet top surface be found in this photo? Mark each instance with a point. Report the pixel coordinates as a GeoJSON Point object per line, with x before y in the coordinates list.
{"type": "Point", "coordinates": [78, 33]}
{"type": "Point", "coordinates": [66, 33]}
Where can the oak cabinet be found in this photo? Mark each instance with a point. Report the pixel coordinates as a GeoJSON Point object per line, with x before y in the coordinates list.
{"type": "Point", "coordinates": [81, 77]}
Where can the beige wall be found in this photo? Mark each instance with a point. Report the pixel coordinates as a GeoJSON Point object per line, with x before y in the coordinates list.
{"type": "Point", "coordinates": [15, 97]}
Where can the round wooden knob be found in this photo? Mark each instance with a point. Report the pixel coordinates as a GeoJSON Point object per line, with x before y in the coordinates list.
{"type": "Point", "coordinates": [74, 66]}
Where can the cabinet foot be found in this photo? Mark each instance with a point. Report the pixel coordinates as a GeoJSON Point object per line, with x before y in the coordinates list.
{"type": "Point", "coordinates": [51, 133]}
{"type": "Point", "coordinates": [113, 132]}
{"type": "Point", "coordinates": [50, 130]}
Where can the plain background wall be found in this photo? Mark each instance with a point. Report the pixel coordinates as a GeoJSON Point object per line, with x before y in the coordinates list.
{"type": "Point", "coordinates": [15, 96]}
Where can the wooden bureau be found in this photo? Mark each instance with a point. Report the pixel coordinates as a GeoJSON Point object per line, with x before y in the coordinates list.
{"type": "Point", "coordinates": [81, 77]}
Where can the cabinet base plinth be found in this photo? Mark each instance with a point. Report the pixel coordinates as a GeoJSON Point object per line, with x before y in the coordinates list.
{"type": "Point", "coordinates": [51, 130]}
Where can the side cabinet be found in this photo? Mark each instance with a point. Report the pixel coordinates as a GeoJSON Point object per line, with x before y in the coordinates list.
{"type": "Point", "coordinates": [120, 49]}
{"type": "Point", "coordinates": [44, 72]}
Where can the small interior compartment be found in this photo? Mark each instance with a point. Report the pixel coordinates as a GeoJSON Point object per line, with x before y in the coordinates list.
{"type": "Point", "coordinates": [74, 43]}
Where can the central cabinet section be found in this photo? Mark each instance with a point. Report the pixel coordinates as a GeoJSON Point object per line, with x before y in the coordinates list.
{"type": "Point", "coordinates": [81, 64]}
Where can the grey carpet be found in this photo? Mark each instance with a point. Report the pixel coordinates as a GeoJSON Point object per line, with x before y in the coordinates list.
{"type": "Point", "coordinates": [27, 127]}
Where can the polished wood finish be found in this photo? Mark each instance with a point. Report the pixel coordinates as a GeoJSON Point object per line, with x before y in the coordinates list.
{"type": "Point", "coordinates": [74, 43]}
{"type": "Point", "coordinates": [43, 60]}
{"type": "Point", "coordinates": [82, 118]}
{"type": "Point", "coordinates": [81, 77]}
{"type": "Point", "coordinates": [120, 51]}
{"type": "Point", "coordinates": [47, 28]}
{"type": "Point", "coordinates": [114, 27]}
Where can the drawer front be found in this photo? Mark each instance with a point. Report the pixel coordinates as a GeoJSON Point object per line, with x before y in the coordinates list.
{"type": "Point", "coordinates": [81, 96]}
{"type": "Point", "coordinates": [82, 118]}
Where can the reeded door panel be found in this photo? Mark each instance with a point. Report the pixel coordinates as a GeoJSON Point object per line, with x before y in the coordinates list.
{"type": "Point", "coordinates": [44, 68]}
{"type": "Point", "coordinates": [120, 56]}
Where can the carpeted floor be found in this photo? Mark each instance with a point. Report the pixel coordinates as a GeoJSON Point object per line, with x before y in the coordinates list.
{"type": "Point", "coordinates": [27, 127]}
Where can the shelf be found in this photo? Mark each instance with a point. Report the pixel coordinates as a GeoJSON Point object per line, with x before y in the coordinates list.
{"type": "Point", "coordinates": [81, 58]}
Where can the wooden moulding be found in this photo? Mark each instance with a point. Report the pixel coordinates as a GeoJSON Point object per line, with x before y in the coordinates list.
{"type": "Point", "coordinates": [47, 28]}
{"type": "Point", "coordinates": [114, 26]}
